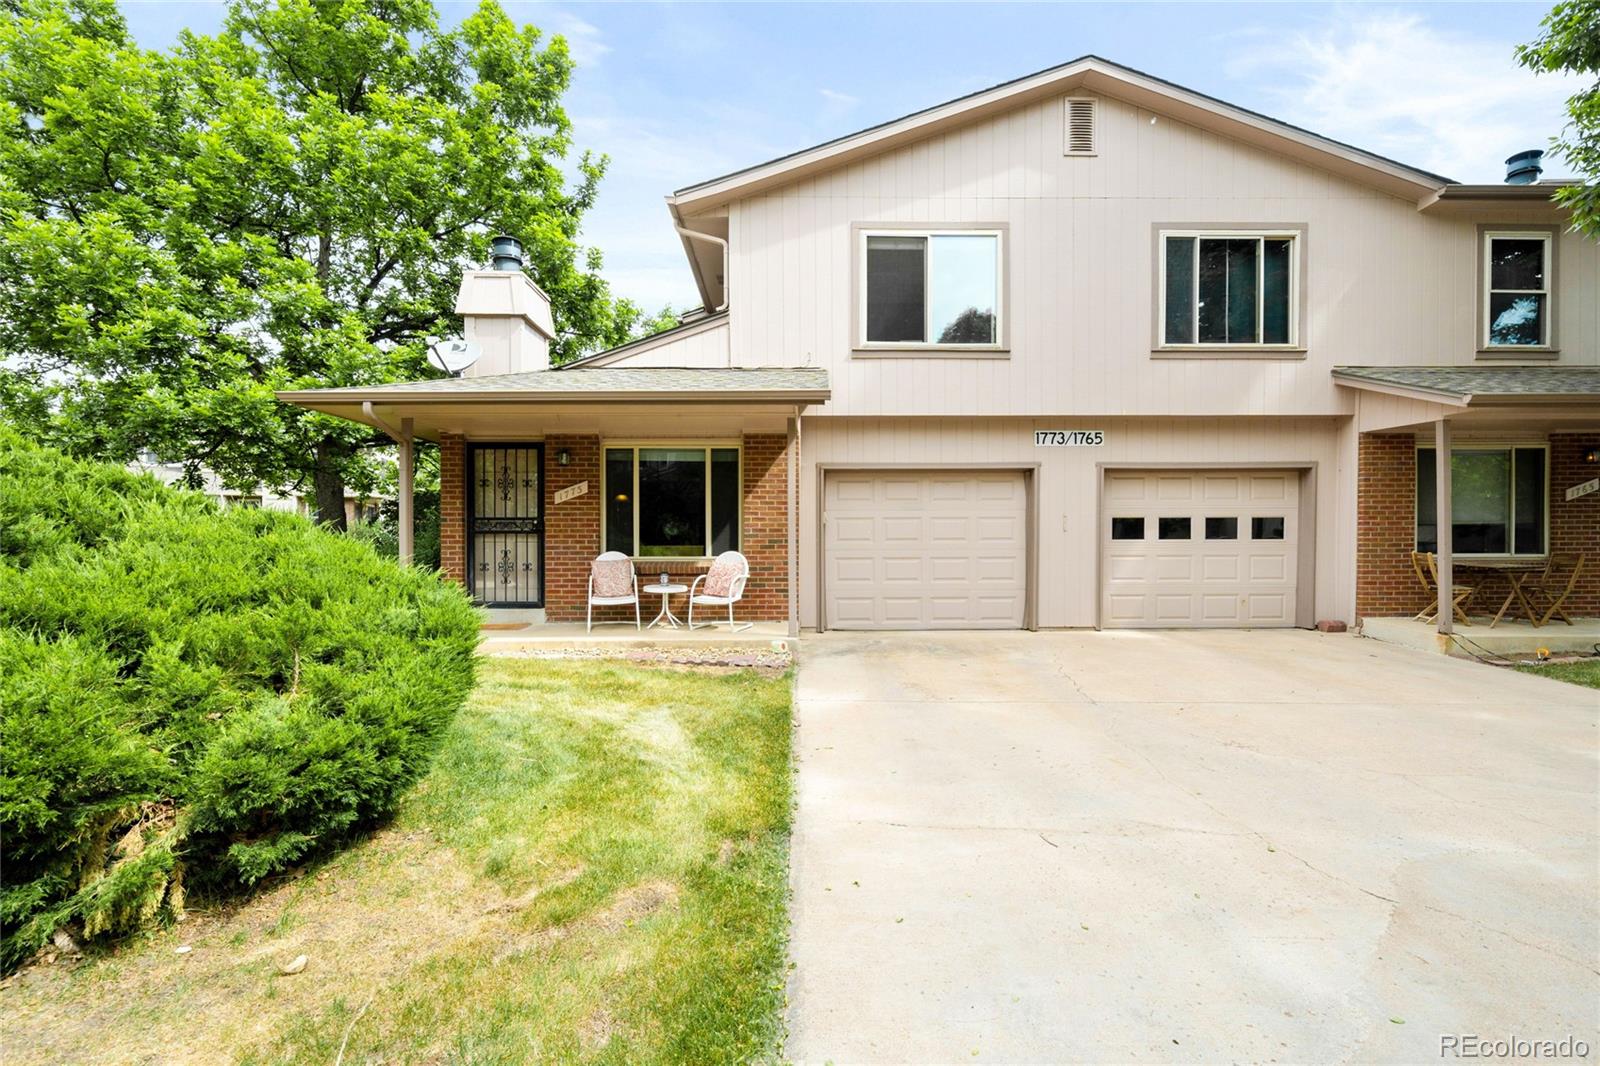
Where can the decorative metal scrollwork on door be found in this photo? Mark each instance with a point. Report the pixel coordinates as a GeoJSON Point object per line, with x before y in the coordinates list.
{"type": "Point", "coordinates": [505, 524]}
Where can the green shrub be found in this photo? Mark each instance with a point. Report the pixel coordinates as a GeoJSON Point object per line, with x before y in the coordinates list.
{"type": "Point", "coordinates": [195, 697]}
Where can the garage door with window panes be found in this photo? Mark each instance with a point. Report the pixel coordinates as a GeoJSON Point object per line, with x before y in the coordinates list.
{"type": "Point", "coordinates": [1195, 549]}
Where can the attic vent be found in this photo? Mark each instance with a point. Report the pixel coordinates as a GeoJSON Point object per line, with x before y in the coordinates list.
{"type": "Point", "coordinates": [1079, 138]}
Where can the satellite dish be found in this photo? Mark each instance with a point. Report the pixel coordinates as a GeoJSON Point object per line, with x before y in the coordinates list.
{"type": "Point", "coordinates": [453, 354]}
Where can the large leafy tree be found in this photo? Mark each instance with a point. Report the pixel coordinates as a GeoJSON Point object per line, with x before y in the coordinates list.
{"type": "Point", "coordinates": [288, 204]}
{"type": "Point", "coordinates": [1570, 41]}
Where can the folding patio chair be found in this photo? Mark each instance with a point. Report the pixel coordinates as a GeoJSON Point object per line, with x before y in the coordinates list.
{"type": "Point", "coordinates": [1550, 590]}
{"type": "Point", "coordinates": [1426, 567]}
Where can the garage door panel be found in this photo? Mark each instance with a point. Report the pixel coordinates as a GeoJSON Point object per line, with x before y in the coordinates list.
{"type": "Point", "coordinates": [943, 550]}
{"type": "Point", "coordinates": [901, 568]}
{"type": "Point", "coordinates": [852, 568]}
{"type": "Point", "coordinates": [1243, 574]}
{"type": "Point", "coordinates": [1269, 568]}
{"type": "Point", "coordinates": [902, 528]}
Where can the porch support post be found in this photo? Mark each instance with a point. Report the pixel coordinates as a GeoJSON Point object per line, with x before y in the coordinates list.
{"type": "Point", "coordinates": [407, 497]}
{"type": "Point", "coordinates": [1444, 523]}
{"type": "Point", "coordinates": [793, 491]}
{"type": "Point", "coordinates": [405, 438]}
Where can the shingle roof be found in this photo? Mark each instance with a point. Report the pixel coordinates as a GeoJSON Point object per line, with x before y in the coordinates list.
{"type": "Point", "coordinates": [1480, 383]}
{"type": "Point", "coordinates": [599, 381]}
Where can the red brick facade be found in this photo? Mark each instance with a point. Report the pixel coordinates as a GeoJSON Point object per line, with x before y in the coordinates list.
{"type": "Point", "coordinates": [453, 506]}
{"type": "Point", "coordinates": [1575, 524]}
{"type": "Point", "coordinates": [1386, 500]}
{"type": "Point", "coordinates": [1386, 492]}
{"type": "Point", "coordinates": [572, 530]}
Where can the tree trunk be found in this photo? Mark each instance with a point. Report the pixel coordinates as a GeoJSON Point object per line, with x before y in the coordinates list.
{"type": "Point", "coordinates": [329, 486]}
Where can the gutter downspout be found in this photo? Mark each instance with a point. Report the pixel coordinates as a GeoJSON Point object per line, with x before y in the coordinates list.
{"type": "Point", "coordinates": [404, 437]}
{"type": "Point", "coordinates": [696, 235]}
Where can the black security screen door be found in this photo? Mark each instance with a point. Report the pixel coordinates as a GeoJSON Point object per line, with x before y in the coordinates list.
{"type": "Point", "coordinates": [505, 524]}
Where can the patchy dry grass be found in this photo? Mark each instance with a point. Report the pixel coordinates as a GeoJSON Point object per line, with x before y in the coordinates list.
{"type": "Point", "coordinates": [593, 871]}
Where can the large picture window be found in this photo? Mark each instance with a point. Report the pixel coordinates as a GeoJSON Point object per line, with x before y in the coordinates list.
{"type": "Point", "coordinates": [1499, 500]}
{"type": "Point", "coordinates": [1516, 290]}
{"type": "Point", "coordinates": [671, 502]}
{"type": "Point", "coordinates": [1231, 290]}
{"type": "Point", "coordinates": [934, 289]}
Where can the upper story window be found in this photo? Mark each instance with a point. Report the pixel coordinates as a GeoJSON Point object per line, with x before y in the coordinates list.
{"type": "Point", "coordinates": [1516, 284]}
{"type": "Point", "coordinates": [1229, 289]}
{"type": "Point", "coordinates": [931, 288]}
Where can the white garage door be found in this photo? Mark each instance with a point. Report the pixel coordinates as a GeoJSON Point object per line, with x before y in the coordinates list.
{"type": "Point", "coordinates": [1184, 549]}
{"type": "Point", "coordinates": [924, 550]}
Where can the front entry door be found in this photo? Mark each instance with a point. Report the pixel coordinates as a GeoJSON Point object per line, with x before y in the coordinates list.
{"type": "Point", "coordinates": [505, 524]}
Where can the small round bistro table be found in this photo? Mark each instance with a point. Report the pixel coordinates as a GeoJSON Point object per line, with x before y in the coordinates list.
{"type": "Point", "coordinates": [666, 591]}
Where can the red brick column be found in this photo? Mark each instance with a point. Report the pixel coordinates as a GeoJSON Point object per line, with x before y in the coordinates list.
{"type": "Point", "coordinates": [572, 529]}
{"type": "Point", "coordinates": [1575, 524]}
{"type": "Point", "coordinates": [764, 532]}
{"type": "Point", "coordinates": [1386, 499]}
{"type": "Point", "coordinates": [453, 506]}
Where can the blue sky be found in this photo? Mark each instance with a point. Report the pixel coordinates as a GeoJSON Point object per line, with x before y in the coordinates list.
{"type": "Point", "coordinates": [676, 93]}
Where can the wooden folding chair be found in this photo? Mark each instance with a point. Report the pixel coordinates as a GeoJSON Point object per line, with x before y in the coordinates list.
{"type": "Point", "coordinates": [1548, 591]}
{"type": "Point", "coordinates": [1426, 567]}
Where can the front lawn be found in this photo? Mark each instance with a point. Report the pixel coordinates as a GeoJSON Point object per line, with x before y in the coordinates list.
{"type": "Point", "coordinates": [1581, 672]}
{"type": "Point", "coordinates": [594, 869]}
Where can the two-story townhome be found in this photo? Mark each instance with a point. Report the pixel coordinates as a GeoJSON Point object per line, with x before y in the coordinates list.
{"type": "Point", "coordinates": [1083, 349]}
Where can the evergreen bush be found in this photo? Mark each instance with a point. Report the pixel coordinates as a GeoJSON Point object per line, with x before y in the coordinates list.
{"type": "Point", "coordinates": [194, 697]}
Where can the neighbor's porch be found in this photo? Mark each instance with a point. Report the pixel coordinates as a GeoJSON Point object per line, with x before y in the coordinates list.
{"type": "Point", "coordinates": [1512, 454]}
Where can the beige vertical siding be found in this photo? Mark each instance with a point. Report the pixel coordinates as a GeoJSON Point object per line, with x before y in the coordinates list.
{"type": "Point", "coordinates": [707, 346]}
{"type": "Point", "coordinates": [1068, 485]}
{"type": "Point", "coordinates": [1387, 285]}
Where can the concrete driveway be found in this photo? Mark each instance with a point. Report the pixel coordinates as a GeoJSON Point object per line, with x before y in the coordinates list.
{"type": "Point", "coordinates": [1137, 847]}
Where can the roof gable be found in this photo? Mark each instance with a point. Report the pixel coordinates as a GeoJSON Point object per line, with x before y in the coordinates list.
{"type": "Point", "coordinates": [1087, 74]}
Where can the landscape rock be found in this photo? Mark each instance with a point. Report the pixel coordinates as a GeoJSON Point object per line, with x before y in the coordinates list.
{"type": "Point", "coordinates": [294, 965]}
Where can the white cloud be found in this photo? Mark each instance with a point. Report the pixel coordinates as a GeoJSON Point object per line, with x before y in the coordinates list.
{"type": "Point", "coordinates": [584, 39]}
{"type": "Point", "coordinates": [1393, 83]}
{"type": "Point", "coordinates": [838, 99]}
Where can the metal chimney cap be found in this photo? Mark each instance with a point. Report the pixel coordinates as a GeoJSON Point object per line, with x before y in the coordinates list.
{"type": "Point", "coordinates": [1524, 168]}
{"type": "Point", "coordinates": [506, 253]}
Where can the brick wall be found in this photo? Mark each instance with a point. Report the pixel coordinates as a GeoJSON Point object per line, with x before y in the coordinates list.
{"type": "Point", "coordinates": [764, 536]}
{"type": "Point", "coordinates": [572, 530]}
{"type": "Point", "coordinates": [1386, 498]}
{"type": "Point", "coordinates": [453, 506]}
{"type": "Point", "coordinates": [1575, 524]}
{"type": "Point", "coordinates": [1385, 529]}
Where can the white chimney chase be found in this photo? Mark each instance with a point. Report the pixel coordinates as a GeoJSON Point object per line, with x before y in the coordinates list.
{"type": "Point", "coordinates": [506, 314]}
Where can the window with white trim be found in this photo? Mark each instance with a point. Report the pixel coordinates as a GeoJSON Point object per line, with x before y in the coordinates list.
{"type": "Point", "coordinates": [930, 288]}
{"type": "Point", "coordinates": [1499, 499]}
{"type": "Point", "coordinates": [1229, 290]}
{"type": "Point", "coordinates": [1516, 290]}
{"type": "Point", "coordinates": [671, 501]}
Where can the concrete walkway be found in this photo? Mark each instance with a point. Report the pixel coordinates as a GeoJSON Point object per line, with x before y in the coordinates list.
{"type": "Point", "coordinates": [1163, 847]}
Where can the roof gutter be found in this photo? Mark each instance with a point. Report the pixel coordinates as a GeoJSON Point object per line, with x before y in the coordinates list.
{"type": "Point", "coordinates": [365, 400]}
{"type": "Point", "coordinates": [693, 234]}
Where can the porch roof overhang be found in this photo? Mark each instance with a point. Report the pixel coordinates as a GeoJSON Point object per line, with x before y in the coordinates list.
{"type": "Point", "coordinates": [444, 401]}
{"type": "Point", "coordinates": [1478, 387]}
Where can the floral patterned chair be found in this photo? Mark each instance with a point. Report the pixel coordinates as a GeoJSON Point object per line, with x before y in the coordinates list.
{"type": "Point", "coordinates": [612, 583]}
{"type": "Point", "coordinates": [721, 586]}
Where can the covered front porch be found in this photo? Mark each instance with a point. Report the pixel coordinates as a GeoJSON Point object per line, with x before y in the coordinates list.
{"type": "Point", "coordinates": [1512, 455]}
{"type": "Point", "coordinates": [542, 471]}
